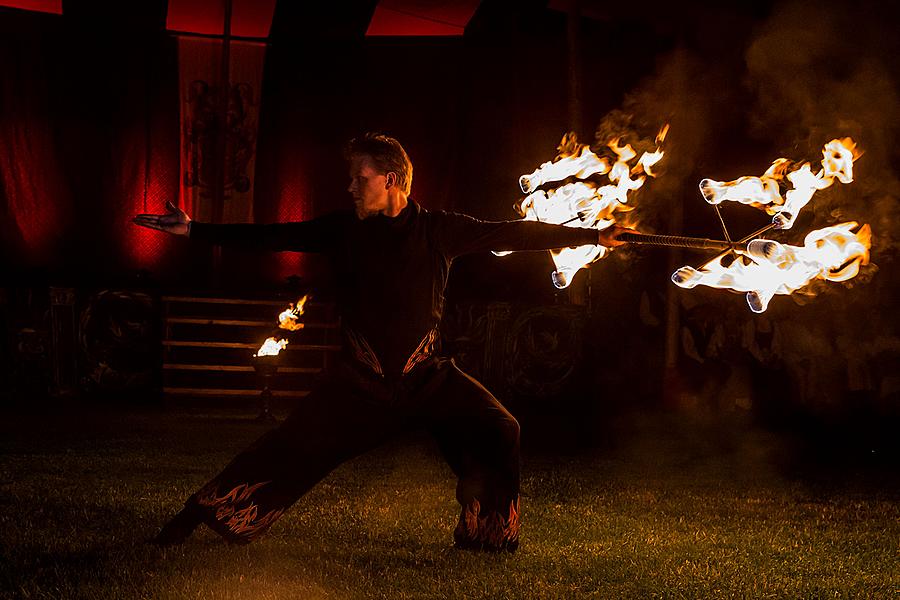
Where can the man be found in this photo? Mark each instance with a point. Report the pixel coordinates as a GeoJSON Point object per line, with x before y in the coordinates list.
{"type": "Point", "coordinates": [392, 258]}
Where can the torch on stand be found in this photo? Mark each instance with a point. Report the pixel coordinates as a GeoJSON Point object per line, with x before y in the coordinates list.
{"type": "Point", "coordinates": [266, 367]}
{"type": "Point", "coordinates": [265, 361]}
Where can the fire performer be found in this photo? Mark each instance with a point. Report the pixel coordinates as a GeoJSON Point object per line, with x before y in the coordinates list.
{"type": "Point", "coordinates": [392, 258]}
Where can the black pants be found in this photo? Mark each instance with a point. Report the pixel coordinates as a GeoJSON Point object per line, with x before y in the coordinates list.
{"type": "Point", "coordinates": [350, 412]}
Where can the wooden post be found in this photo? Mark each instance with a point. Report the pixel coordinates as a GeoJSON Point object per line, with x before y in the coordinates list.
{"type": "Point", "coordinates": [671, 381]}
{"type": "Point", "coordinates": [64, 342]}
{"type": "Point", "coordinates": [580, 289]}
{"type": "Point", "coordinates": [219, 174]}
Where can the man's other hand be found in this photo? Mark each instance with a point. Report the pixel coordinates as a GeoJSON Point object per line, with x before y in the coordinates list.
{"type": "Point", "coordinates": [175, 221]}
{"type": "Point", "coordinates": [609, 237]}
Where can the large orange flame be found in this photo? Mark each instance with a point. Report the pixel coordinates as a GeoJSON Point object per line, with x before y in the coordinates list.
{"type": "Point", "coordinates": [769, 268]}
{"type": "Point", "coordinates": [764, 192]}
{"type": "Point", "coordinates": [584, 202]}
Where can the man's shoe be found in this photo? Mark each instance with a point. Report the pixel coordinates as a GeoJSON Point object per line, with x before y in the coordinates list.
{"type": "Point", "coordinates": [177, 530]}
{"type": "Point", "coordinates": [490, 533]}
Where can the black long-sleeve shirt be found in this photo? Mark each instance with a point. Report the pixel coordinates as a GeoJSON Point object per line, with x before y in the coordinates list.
{"type": "Point", "coordinates": [392, 271]}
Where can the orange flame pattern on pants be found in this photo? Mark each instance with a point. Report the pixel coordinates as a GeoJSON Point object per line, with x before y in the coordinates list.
{"type": "Point", "coordinates": [492, 531]}
{"type": "Point", "coordinates": [241, 524]}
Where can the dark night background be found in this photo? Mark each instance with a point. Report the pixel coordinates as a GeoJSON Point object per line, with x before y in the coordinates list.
{"type": "Point", "coordinates": [89, 137]}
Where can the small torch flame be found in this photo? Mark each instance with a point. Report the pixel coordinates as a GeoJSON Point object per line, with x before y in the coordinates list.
{"type": "Point", "coordinates": [764, 192]}
{"type": "Point", "coordinates": [769, 268]}
{"type": "Point", "coordinates": [271, 347]}
{"type": "Point", "coordinates": [288, 318]}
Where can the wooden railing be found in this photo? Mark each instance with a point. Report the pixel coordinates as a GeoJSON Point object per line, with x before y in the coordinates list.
{"type": "Point", "coordinates": [208, 344]}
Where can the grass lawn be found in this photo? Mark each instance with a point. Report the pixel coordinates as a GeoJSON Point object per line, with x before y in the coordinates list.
{"type": "Point", "coordinates": [666, 511]}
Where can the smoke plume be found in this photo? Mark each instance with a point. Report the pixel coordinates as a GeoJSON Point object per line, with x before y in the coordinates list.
{"type": "Point", "coordinates": [825, 70]}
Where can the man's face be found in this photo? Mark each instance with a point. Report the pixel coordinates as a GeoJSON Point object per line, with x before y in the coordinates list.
{"type": "Point", "coordinates": [368, 187]}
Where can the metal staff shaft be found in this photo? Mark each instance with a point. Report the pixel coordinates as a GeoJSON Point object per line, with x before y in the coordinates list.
{"type": "Point", "coordinates": [722, 222]}
{"type": "Point", "coordinates": [677, 241]}
{"type": "Point", "coordinates": [757, 233]}
{"type": "Point", "coordinates": [743, 241]}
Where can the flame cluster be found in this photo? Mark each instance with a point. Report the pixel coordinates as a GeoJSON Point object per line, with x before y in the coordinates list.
{"type": "Point", "coordinates": [571, 191]}
{"type": "Point", "coordinates": [766, 267]}
{"type": "Point", "coordinates": [769, 268]}
{"type": "Point", "coordinates": [288, 319]}
{"type": "Point", "coordinates": [586, 200]}
{"type": "Point", "coordinates": [765, 191]}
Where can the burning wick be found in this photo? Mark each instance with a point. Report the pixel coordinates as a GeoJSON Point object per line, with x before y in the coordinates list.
{"type": "Point", "coordinates": [271, 347]}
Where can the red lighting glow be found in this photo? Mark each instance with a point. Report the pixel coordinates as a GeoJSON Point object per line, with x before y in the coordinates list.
{"type": "Point", "coordinates": [149, 176]}
{"type": "Point", "coordinates": [145, 248]}
{"type": "Point", "coordinates": [252, 18]}
{"type": "Point", "coordinates": [249, 18]}
{"type": "Point", "coordinates": [196, 16]}
{"type": "Point", "coordinates": [46, 6]}
{"type": "Point", "coordinates": [416, 18]}
{"type": "Point", "coordinates": [293, 205]}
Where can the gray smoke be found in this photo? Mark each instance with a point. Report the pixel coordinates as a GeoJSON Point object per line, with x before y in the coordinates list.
{"type": "Point", "coordinates": [671, 95]}
{"type": "Point", "coordinates": [811, 72]}
{"type": "Point", "coordinates": [825, 70]}
{"type": "Point", "coordinates": [817, 71]}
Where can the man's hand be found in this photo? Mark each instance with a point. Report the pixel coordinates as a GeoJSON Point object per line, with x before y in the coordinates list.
{"type": "Point", "coordinates": [175, 221]}
{"type": "Point", "coordinates": [608, 237]}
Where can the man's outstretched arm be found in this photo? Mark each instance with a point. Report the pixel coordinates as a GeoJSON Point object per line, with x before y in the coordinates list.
{"type": "Point", "coordinates": [461, 234]}
{"type": "Point", "coordinates": [304, 236]}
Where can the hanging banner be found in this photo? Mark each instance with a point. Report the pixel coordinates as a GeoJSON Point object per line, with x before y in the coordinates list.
{"type": "Point", "coordinates": [219, 125]}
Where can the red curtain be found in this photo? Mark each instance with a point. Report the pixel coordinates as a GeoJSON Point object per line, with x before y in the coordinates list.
{"type": "Point", "coordinates": [37, 201]}
{"type": "Point", "coordinates": [144, 171]}
{"type": "Point", "coordinates": [88, 139]}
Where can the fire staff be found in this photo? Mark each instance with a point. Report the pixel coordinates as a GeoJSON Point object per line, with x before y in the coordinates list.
{"type": "Point", "coordinates": [392, 258]}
